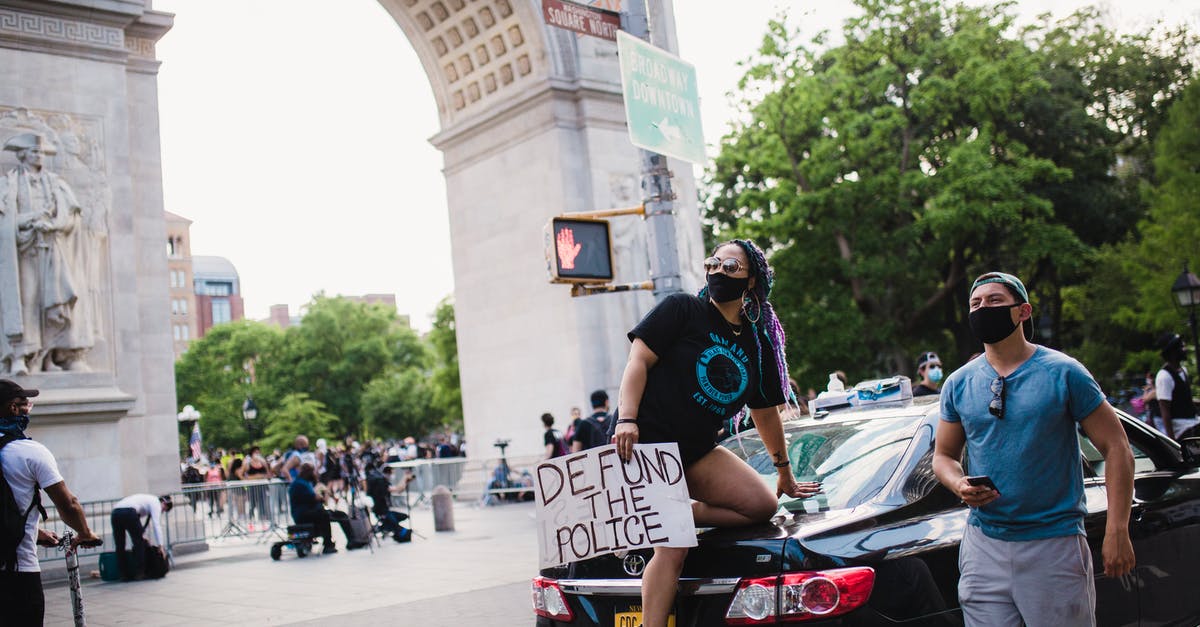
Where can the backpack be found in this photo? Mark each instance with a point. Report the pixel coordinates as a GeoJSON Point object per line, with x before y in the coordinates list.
{"type": "Point", "coordinates": [560, 444]}
{"type": "Point", "coordinates": [157, 566]}
{"type": "Point", "coordinates": [12, 519]}
{"type": "Point", "coordinates": [599, 433]}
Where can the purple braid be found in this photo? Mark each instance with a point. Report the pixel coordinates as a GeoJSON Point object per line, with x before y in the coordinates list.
{"type": "Point", "coordinates": [760, 313]}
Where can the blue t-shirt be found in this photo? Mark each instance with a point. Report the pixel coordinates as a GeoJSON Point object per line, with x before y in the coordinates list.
{"type": "Point", "coordinates": [303, 497]}
{"type": "Point", "coordinates": [1032, 454]}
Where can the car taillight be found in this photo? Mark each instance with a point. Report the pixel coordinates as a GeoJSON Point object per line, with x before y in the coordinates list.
{"type": "Point", "coordinates": [795, 597]}
{"type": "Point", "coordinates": [548, 600]}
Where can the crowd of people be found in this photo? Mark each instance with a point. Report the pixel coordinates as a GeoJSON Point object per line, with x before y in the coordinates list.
{"type": "Point", "coordinates": [334, 464]}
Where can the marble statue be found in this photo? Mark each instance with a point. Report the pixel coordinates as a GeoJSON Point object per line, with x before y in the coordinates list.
{"type": "Point", "coordinates": [41, 218]}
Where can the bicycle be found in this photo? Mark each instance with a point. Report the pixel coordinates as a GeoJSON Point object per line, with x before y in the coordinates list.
{"type": "Point", "coordinates": [72, 558]}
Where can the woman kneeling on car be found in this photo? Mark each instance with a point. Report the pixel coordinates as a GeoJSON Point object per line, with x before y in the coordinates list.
{"type": "Point", "coordinates": [694, 363]}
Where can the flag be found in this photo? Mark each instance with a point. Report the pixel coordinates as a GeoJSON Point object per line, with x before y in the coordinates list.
{"type": "Point", "coordinates": [194, 441]}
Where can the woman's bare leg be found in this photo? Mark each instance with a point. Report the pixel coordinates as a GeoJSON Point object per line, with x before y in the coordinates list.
{"type": "Point", "coordinates": [728, 492]}
{"type": "Point", "coordinates": [659, 583]}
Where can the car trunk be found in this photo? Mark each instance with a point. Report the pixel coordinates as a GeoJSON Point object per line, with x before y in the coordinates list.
{"type": "Point", "coordinates": [607, 590]}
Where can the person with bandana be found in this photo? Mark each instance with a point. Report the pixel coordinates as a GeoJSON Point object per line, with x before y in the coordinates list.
{"type": "Point", "coordinates": [929, 366]}
{"type": "Point", "coordinates": [1173, 389]}
{"type": "Point", "coordinates": [28, 466]}
{"type": "Point", "coordinates": [1024, 557]}
{"type": "Point", "coordinates": [695, 362]}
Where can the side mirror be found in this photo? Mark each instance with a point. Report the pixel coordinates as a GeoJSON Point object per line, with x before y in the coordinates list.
{"type": "Point", "coordinates": [1191, 450]}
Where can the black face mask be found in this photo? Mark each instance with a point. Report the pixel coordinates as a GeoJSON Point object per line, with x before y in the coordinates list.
{"type": "Point", "coordinates": [992, 324]}
{"type": "Point", "coordinates": [724, 288]}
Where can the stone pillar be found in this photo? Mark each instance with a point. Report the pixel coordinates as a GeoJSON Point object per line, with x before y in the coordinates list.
{"type": "Point", "coordinates": [81, 75]}
{"type": "Point", "coordinates": [533, 125]}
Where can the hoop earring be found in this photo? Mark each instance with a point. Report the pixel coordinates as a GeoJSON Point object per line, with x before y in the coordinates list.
{"type": "Point", "coordinates": [757, 307]}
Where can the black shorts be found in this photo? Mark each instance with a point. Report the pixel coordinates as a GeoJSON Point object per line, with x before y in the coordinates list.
{"type": "Point", "coordinates": [22, 602]}
{"type": "Point", "coordinates": [697, 444]}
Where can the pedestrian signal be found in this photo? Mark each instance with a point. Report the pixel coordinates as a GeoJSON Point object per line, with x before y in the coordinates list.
{"type": "Point", "coordinates": [578, 250]}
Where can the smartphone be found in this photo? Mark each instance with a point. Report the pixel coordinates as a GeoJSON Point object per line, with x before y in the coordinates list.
{"type": "Point", "coordinates": [983, 480]}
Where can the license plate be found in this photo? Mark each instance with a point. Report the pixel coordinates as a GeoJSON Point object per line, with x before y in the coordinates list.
{"type": "Point", "coordinates": [634, 619]}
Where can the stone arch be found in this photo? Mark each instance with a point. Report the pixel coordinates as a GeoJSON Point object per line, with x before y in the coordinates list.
{"type": "Point", "coordinates": [532, 125]}
{"type": "Point", "coordinates": [513, 96]}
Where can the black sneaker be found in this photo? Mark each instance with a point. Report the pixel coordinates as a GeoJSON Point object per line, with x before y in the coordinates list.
{"type": "Point", "coordinates": [329, 548]}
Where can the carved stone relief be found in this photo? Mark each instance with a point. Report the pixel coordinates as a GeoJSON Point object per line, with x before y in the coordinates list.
{"type": "Point", "coordinates": [54, 205]}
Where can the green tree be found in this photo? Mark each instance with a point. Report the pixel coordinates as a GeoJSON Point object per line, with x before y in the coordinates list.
{"type": "Point", "coordinates": [446, 401]}
{"type": "Point", "coordinates": [297, 414]}
{"type": "Point", "coordinates": [338, 347]}
{"type": "Point", "coordinates": [399, 404]}
{"type": "Point", "coordinates": [1129, 302]}
{"type": "Point", "coordinates": [937, 142]}
{"type": "Point", "coordinates": [219, 371]}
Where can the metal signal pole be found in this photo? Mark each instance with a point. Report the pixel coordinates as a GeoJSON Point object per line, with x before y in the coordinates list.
{"type": "Point", "coordinates": [657, 196]}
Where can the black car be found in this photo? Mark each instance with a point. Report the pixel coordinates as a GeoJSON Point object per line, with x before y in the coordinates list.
{"type": "Point", "coordinates": [880, 546]}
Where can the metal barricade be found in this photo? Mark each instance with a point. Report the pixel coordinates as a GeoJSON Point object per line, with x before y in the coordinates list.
{"type": "Point", "coordinates": [466, 477]}
{"type": "Point", "coordinates": [202, 512]}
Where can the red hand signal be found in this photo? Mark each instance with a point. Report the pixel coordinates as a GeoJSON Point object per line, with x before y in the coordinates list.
{"type": "Point", "coordinates": [568, 250]}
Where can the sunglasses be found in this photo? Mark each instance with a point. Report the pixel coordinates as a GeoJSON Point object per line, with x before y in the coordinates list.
{"type": "Point", "coordinates": [996, 407]}
{"type": "Point", "coordinates": [729, 266]}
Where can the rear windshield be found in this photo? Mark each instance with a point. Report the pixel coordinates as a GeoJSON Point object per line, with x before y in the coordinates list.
{"type": "Point", "coordinates": [852, 459]}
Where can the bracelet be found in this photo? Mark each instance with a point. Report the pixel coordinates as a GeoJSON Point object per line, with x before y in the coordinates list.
{"type": "Point", "coordinates": [622, 421]}
{"type": "Point", "coordinates": [783, 464]}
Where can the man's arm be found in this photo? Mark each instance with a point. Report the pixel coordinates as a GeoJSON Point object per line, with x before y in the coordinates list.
{"type": "Point", "coordinates": [948, 449]}
{"type": "Point", "coordinates": [1104, 429]}
{"type": "Point", "coordinates": [1164, 409]}
{"type": "Point", "coordinates": [70, 511]}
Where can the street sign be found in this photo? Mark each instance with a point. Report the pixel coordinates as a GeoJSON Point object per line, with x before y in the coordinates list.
{"type": "Point", "coordinates": [578, 250]}
{"type": "Point", "coordinates": [582, 18]}
{"type": "Point", "coordinates": [662, 102]}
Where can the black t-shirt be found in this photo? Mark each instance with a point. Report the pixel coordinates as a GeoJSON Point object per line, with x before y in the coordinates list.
{"type": "Point", "coordinates": [924, 390]}
{"type": "Point", "coordinates": [705, 373]}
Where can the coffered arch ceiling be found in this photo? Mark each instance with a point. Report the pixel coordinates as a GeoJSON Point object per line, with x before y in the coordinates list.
{"type": "Point", "coordinates": [478, 53]}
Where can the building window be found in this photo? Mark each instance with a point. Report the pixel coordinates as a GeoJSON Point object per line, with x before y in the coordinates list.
{"type": "Point", "coordinates": [218, 288]}
{"type": "Point", "coordinates": [183, 306]}
{"type": "Point", "coordinates": [183, 330]}
{"type": "Point", "coordinates": [175, 306]}
{"type": "Point", "coordinates": [170, 246]}
{"type": "Point", "coordinates": [178, 335]}
{"type": "Point", "coordinates": [221, 312]}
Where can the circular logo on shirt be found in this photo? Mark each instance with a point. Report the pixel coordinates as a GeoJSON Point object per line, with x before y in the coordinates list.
{"type": "Point", "coordinates": [721, 375]}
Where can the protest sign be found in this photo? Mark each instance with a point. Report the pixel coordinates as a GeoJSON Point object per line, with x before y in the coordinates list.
{"type": "Point", "coordinates": [590, 503]}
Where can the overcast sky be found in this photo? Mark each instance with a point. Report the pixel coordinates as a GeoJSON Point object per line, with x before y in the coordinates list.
{"type": "Point", "coordinates": [294, 134]}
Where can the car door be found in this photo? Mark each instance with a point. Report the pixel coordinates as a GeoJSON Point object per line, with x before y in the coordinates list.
{"type": "Point", "coordinates": [1164, 528]}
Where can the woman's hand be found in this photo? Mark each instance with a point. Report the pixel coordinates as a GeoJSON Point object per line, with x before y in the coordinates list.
{"type": "Point", "coordinates": [625, 436]}
{"type": "Point", "coordinates": [796, 489]}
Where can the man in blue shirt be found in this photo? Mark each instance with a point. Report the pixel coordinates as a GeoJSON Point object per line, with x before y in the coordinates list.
{"type": "Point", "coordinates": [308, 509]}
{"type": "Point", "coordinates": [1016, 408]}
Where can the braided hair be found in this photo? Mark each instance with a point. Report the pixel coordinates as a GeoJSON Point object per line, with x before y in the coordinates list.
{"type": "Point", "coordinates": [763, 321]}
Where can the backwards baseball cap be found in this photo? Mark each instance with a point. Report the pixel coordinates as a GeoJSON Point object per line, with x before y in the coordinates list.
{"type": "Point", "coordinates": [1014, 285]}
{"type": "Point", "coordinates": [10, 391]}
{"type": "Point", "coordinates": [1004, 279]}
{"type": "Point", "coordinates": [927, 357]}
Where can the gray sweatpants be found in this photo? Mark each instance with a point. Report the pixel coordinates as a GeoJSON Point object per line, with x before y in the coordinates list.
{"type": "Point", "coordinates": [1044, 583]}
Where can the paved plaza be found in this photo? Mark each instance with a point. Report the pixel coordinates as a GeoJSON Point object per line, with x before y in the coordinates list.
{"type": "Point", "coordinates": [476, 575]}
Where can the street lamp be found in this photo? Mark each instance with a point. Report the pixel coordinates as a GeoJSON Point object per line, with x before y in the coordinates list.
{"type": "Point", "coordinates": [249, 414]}
{"type": "Point", "coordinates": [189, 414]}
{"type": "Point", "coordinates": [1187, 295]}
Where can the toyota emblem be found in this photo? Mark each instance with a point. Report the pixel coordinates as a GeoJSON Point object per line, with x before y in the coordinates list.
{"type": "Point", "coordinates": [633, 564]}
